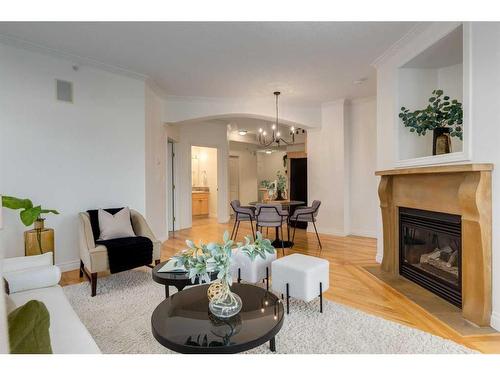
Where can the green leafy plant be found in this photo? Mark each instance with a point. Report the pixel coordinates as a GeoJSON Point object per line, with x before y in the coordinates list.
{"type": "Point", "coordinates": [441, 112]}
{"type": "Point", "coordinates": [265, 184]}
{"type": "Point", "coordinates": [29, 213]}
{"type": "Point", "coordinates": [281, 182]}
{"type": "Point", "coordinates": [260, 247]}
{"type": "Point", "coordinates": [200, 260]}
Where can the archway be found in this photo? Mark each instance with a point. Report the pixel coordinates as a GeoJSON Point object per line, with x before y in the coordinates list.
{"type": "Point", "coordinates": [206, 131]}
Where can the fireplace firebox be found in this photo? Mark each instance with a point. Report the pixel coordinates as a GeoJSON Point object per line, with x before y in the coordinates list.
{"type": "Point", "coordinates": [430, 251]}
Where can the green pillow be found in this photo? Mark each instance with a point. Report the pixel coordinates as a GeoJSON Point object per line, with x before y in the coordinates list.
{"type": "Point", "coordinates": [29, 329]}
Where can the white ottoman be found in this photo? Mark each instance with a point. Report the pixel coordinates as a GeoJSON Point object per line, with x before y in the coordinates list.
{"type": "Point", "coordinates": [301, 276]}
{"type": "Point", "coordinates": [252, 271]}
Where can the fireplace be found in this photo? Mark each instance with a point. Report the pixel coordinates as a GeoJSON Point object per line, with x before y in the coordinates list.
{"type": "Point", "coordinates": [430, 251]}
{"type": "Point", "coordinates": [441, 206]}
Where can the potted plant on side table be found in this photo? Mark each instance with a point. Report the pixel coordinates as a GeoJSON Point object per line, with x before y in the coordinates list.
{"type": "Point", "coordinates": [38, 240]}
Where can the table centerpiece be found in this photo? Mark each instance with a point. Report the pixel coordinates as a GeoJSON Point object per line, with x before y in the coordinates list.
{"type": "Point", "coordinates": [200, 260]}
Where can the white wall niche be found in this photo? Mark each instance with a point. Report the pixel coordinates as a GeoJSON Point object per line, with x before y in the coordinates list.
{"type": "Point", "coordinates": [441, 65]}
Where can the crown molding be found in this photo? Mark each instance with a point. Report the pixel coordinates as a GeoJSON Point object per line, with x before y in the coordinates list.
{"type": "Point", "coordinates": [73, 58]}
{"type": "Point", "coordinates": [157, 90]}
{"type": "Point", "coordinates": [400, 43]}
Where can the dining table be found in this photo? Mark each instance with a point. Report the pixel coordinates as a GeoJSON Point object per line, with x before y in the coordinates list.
{"type": "Point", "coordinates": [287, 204]}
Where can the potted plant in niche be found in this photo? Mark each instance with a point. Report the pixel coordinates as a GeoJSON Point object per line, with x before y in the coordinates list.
{"type": "Point", "coordinates": [38, 240]}
{"type": "Point", "coordinates": [442, 116]}
{"type": "Point", "coordinates": [203, 259]}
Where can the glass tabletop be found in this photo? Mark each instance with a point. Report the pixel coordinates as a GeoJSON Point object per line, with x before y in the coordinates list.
{"type": "Point", "coordinates": [166, 276]}
{"type": "Point", "coordinates": [184, 323]}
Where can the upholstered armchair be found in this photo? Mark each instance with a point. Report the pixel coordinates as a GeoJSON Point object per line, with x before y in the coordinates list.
{"type": "Point", "coordinates": [94, 257]}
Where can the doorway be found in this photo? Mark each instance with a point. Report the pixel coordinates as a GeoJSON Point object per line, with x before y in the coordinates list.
{"type": "Point", "coordinates": [171, 206]}
{"type": "Point", "coordinates": [203, 182]}
{"type": "Point", "coordinates": [234, 179]}
{"type": "Point", "coordinates": [298, 184]}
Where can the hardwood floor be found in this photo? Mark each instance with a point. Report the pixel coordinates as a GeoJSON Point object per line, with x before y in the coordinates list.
{"type": "Point", "coordinates": [350, 283]}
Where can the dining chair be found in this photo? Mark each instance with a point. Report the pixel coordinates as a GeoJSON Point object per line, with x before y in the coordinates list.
{"type": "Point", "coordinates": [306, 215]}
{"type": "Point", "coordinates": [242, 213]}
{"type": "Point", "coordinates": [271, 216]}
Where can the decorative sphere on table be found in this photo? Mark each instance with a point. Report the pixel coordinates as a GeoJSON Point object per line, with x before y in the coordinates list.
{"type": "Point", "coordinates": [214, 290]}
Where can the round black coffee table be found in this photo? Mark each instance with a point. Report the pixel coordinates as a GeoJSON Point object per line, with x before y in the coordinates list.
{"type": "Point", "coordinates": [177, 279]}
{"type": "Point", "coordinates": [183, 322]}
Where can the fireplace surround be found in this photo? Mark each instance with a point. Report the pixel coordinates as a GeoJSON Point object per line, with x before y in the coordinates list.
{"type": "Point", "coordinates": [462, 191]}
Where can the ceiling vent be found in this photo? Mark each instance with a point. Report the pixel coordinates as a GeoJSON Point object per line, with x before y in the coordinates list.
{"type": "Point", "coordinates": [64, 91]}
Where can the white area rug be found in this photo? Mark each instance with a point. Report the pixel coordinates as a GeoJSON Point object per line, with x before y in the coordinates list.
{"type": "Point", "coordinates": [119, 319]}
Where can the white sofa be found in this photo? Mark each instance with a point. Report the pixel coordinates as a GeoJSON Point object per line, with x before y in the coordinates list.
{"type": "Point", "coordinates": [35, 278]}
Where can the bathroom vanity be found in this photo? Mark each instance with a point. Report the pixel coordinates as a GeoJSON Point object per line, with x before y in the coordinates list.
{"type": "Point", "coordinates": [200, 201]}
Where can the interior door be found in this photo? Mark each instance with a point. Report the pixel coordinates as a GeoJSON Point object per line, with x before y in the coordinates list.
{"type": "Point", "coordinates": [298, 182]}
{"type": "Point", "coordinates": [234, 178]}
{"type": "Point", "coordinates": [170, 187]}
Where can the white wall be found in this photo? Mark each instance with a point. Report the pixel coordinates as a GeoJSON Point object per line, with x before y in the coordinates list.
{"type": "Point", "coordinates": [247, 167]}
{"type": "Point", "coordinates": [207, 135]}
{"type": "Point", "coordinates": [485, 99]}
{"type": "Point", "coordinates": [450, 80]}
{"type": "Point", "coordinates": [4, 346]}
{"type": "Point", "coordinates": [326, 172]}
{"type": "Point", "coordinates": [71, 157]}
{"type": "Point", "coordinates": [341, 159]}
{"type": "Point", "coordinates": [415, 88]}
{"type": "Point", "coordinates": [268, 166]}
{"type": "Point", "coordinates": [364, 204]}
{"type": "Point", "coordinates": [484, 63]}
{"type": "Point", "coordinates": [206, 161]}
{"type": "Point", "coordinates": [156, 168]}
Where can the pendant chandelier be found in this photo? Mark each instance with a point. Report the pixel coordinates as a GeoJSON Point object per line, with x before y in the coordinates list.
{"type": "Point", "coordinates": [276, 136]}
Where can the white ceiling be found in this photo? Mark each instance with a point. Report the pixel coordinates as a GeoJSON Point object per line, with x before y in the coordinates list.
{"type": "Point", "coordinates": [307, 61]}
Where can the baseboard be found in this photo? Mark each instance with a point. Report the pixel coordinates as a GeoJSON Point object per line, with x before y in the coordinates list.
{"type": "Point", "coordinates": [69, 266]}
{"type": "Point", "coordinates": [341, 233]}
{"type": "Point", "coordinates": [331, 231]}
{"type": "Point", "coordinates": [495, 320]}
{"type": "Point", "coordinates": [363, 233]}
{"type": "Point", "coordinates": [223, 220]}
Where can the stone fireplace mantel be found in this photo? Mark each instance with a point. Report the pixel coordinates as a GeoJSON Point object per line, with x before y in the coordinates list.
{"type": "Point", "coordinates": [460, 189]}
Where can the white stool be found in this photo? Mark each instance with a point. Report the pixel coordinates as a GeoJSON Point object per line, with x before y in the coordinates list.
{"type": "Point", "coordinates": [252, 271]}
{"type": "Point", "coordinates": [301, 276]}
